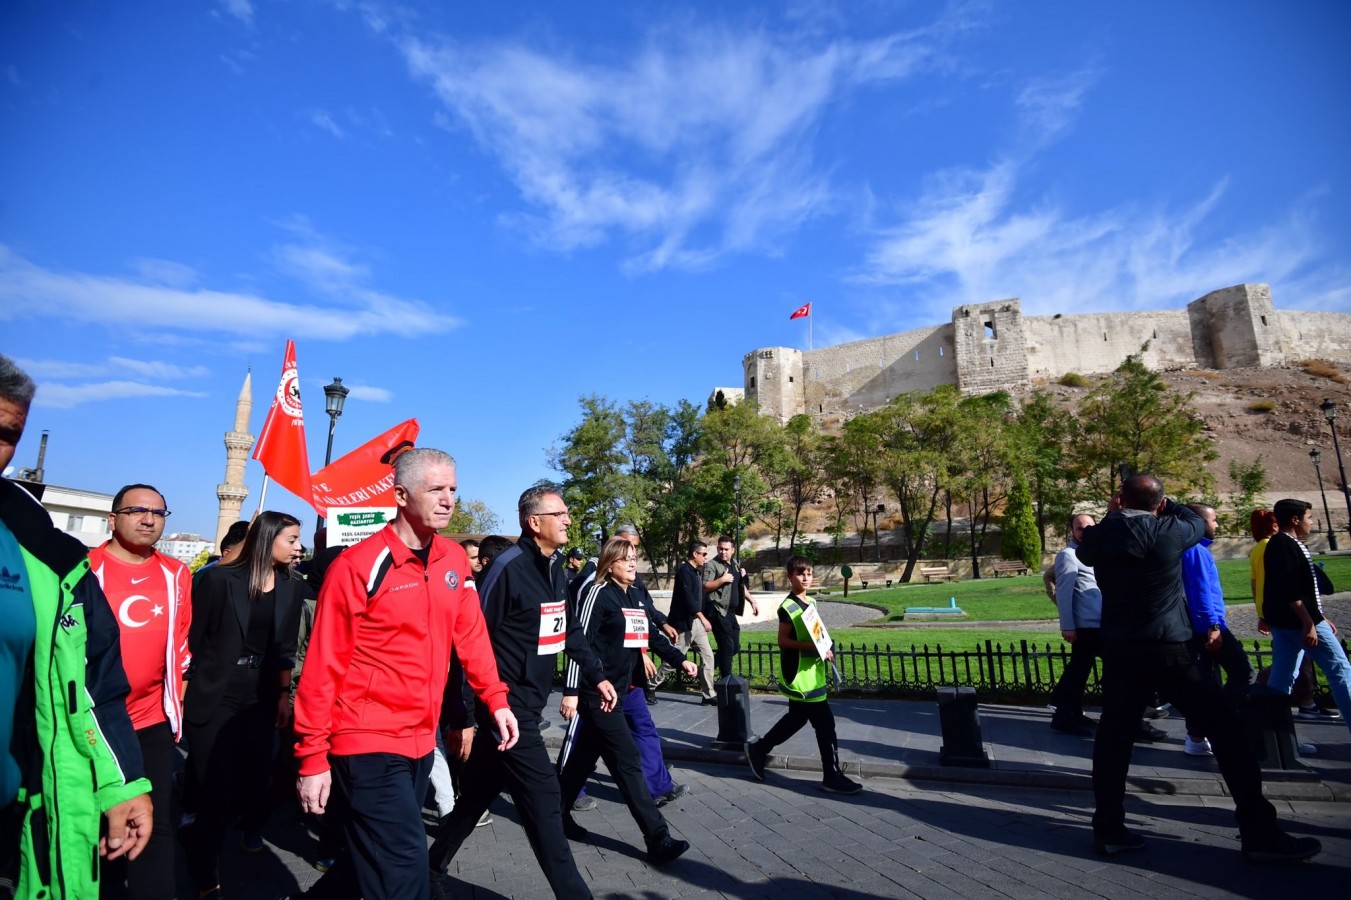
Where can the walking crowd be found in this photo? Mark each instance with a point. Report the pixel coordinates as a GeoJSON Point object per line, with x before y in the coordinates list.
{"type": "Point", "coordinates": [409, 664]}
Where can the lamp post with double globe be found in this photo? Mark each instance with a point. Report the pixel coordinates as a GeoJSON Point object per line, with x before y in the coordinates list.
{"type": "Point", "coordinates": [335, 395]}
{"type": "Point", "coordinates": [1330, 413]}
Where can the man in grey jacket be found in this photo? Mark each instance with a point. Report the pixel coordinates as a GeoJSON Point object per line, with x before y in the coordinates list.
{"type": "Point", "coordinates": [1080, 603]}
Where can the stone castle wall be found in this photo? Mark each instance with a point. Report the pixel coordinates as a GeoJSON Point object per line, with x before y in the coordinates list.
{"type": "Point", "coordinates": [992, 346]}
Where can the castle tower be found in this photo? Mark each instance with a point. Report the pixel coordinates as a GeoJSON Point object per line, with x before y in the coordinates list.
{"type": "Point", "coordinates": [990, 346]}
{"type": "Point", "coordinates": [238, 443]}
{"type": "Point", "coordinates": [773, 378]}
{"type": "Point", "coordinates": [1236, 326]}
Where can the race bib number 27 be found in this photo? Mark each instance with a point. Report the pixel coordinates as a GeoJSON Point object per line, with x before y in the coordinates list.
{"type": "Point", "coordinates": [553, 627]}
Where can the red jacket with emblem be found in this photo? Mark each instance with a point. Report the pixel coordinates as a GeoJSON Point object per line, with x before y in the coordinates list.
{"type": "Point", "coordinates": [379, 654]}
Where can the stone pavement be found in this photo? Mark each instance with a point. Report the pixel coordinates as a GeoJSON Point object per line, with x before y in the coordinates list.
{"type": "Point", "coordinates": [1018, 829]}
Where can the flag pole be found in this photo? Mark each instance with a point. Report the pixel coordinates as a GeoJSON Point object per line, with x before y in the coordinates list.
{"type": "Point", "coordinates": [809, 331]}
{"type": "Point", "coordinates": [262, 496]}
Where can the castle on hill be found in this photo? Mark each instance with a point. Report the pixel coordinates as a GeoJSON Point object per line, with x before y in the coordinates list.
{"type": "Point", "coordinates": [993, 346]}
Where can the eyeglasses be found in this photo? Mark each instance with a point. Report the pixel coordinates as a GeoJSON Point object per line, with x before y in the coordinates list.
{"type": "Point", "coordinates": [142, 510]}
{"type": "Point", "coordinates": [701, 553]}
{"type": "Point", "coordinates": [561, 512]}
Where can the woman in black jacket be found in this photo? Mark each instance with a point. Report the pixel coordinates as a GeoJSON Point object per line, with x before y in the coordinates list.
{"type": "Point", "coordinates": [245, 617]}
{"type": "Point", "coordinates": [616, 627]}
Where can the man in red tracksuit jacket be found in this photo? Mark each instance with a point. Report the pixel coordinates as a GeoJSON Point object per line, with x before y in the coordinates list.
{"type": "Point", "coordinates": [391, 610]}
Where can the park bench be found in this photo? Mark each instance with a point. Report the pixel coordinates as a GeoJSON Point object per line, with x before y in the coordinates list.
{"type": "Point", "coordinates": [1009, 567]}
{"type": "Point", "coordinates": [932, 572]}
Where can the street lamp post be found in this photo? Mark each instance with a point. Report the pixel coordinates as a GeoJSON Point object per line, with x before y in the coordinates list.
{"type": "Point", "coordinates": [1327, 517]}
{"type": "Point", "coordinates": [877, 531]}
{"type": "Point", "coordinates": [335, 395]}
{"type": "Point", "coordinates": [1330, 413]}
{"type": "Point", "coordinates": [736, 526]}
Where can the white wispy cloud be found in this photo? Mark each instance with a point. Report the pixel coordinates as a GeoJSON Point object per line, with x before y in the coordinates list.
{"type": "Point", "coordinates": [57, 368]}
{"type": "Point", "coordinates": [240, 9]}
{"type": "Point", "coordinates": [350, 307]}
{"type": "Point", "coordinates": [697, 144]}
{"type": "Point", "coordinates": [321, 119]}
{"type": "Point", "coordinates": [64, 396]}
{"type": "Point", "coordinates": [364, 392]}
{"type": "Point", "coordinates": [164, 271]}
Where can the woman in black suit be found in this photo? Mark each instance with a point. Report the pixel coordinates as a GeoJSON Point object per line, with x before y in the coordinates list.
{"type": "Point", "coordinates": [245, 617]}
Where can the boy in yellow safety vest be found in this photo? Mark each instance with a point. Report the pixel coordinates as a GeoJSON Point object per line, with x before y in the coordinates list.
{"type": "Point", "coordinates": [803, 677]}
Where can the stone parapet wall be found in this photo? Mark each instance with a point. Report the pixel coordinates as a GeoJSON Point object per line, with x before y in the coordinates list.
{"type": "Point", "coordinates": [1316, 335]}
{"type": "Point", "coordinates": [867, 374]}
{"type": "Point", "coordinates": [1095, 343]}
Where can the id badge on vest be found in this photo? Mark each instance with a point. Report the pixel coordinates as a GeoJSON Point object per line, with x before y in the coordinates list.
{"type": "Point", "coordinates": [635, 629]}
{"type": "Point", "coordinates": [553, 627]}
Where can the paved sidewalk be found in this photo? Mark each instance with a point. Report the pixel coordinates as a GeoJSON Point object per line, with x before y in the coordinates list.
{"type": "Point", "coordinates": [917, 830]}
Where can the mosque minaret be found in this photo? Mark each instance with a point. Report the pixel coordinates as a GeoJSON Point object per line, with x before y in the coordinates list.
{"type": "Point", "coordinates": [238, 443]}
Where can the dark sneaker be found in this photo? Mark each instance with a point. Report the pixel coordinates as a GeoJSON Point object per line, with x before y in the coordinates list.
{"type": "Point", "coordinates": [839, 783]}
{"type": "Point", "coordinates": [709, 701]}
{"type": "Point", "coordinates": [1121, 841]}
{"type": "Point", "coordinates": [1279, 847]}
{"type": "Point", "coordinates": [1148, 734]}
{"type": "Point", "coordinates": [325, 863]}
{"type": "Point", "coordinates": [1158, 712]}
{"type": "Point", "coordinates": [573, 831]}
{"type": "Point", "coordinates": [756, 758]}
{"type": "Point", "coordinates": [674, 793]}
{"type": "Point", "coordinates": [251, 842]}
{"type": "Point", "coordinates": [666, 849]}
{"type": "Point", "coordinates": [651, 697]}
{"type": "Point", "coordinates": [583, 804]}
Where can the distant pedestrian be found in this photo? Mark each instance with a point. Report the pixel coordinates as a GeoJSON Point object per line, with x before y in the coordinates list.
{"type": "Point", "coordinates": [804, 681]}
{"type": "Point", "coordinates": [688, 619]}
{"type": "Point", "coordinates": [725, 597]}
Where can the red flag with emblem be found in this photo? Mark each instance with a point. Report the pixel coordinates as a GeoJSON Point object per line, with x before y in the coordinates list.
{"type": "Point", "coordinates": [365, 476]}
{"type": "Point", "coordinates": [281, 445]}
{"type": "Point", "coordinates": [801, 312]}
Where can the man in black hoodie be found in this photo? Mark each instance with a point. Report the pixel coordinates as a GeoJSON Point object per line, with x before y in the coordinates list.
{"type": "Point", "coordinates": [1136, 552]}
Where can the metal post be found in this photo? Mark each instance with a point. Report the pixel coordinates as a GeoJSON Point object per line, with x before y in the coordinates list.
{"type": "Point", "coordinates": [1330, 413]}
{"type": "Point", "coordinates": [1317, 458]}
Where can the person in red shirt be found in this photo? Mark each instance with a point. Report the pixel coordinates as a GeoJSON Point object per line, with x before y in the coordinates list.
{"type": "Point", "coordinates": [151, 595]}
{"type": "Point", "coordinates": [391, 610]}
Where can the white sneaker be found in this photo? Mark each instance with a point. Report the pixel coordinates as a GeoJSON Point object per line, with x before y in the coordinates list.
{"type": "Point", "coordinates": [1198, 748]}
{"type": "Point", "coordinates": [1306, 749]}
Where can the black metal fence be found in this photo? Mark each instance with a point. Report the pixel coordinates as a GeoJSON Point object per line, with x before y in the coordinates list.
{"type": "Point", "coordinates": [1025, 673]}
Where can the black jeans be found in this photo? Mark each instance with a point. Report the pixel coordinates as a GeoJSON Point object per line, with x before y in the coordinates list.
{"type": "Point", "coordinates": [528, 775]}
{"type": "Point", "coordinates": [800, 712]}
{"type": "Point", "coordinates": [606, 735]}
{"type": "Point", "coordinates": [727, 632]}
{"type": "Point", "coordinates": [1131, 673]}
{"type": "Point", "coordinates": [1230, 659]}
{"type": "Point", "coordinates": [1068, 696]}
{"type": "Point", "coordinates": [150, 876]}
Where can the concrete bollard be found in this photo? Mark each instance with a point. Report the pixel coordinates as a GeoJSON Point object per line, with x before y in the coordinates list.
{"type": "Point", "coordinates": [957, 715]}
{"type": "Point", "coordinates": [734, 713]}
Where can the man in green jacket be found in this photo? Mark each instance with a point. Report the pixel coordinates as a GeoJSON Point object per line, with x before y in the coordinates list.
{"type": "Point", "coordinates": [68, 755]}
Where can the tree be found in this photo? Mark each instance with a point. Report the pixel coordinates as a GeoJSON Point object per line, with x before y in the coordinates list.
{"type": "Point", "coordinates": [1018, 538]}
{"type": "Point", "coordinates": [805, 475]}
{"type": "Point", "coordinates": [1041, 430]}
{"type": "Point", "coordinates": [980, 457]}
{"type": "Point", "coordinates": [854, 465]}
{"type": "Point", "coordinates": [1251, 480]}
{"type": "Point", "coordinates": [472, 516]}
{"type": "Point", "coordinates": [591, 460]}
{"type": "Point", "coordinates": [1135, 418]}
{"type": "Point", "coordinates": [200, 559]}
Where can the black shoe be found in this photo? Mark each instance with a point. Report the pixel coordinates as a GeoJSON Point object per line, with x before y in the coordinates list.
{"type": "Point", "coordinates": [674, 793]}
{"type": "Point", "coordinates": [584, 804]}
{"type": "Point", "coordinates": [572, 831]}
{"type": "Point", "coordinates": [1122, 840]}
{"type": "Point", "coordinates": [709, 701]}
{"type": "Point", "coordinates": [839, 783]}
{"type": "Point", "coordinates": [756, 758]}
{"type": "Point", "coordinates": [1075, 728]}
{"type": "Point", "coordinates": [1148, 734]}
{"type": "Point", "coordinates": [651, 698]}
{"type": "Point", "coordinates": [666, 849]}
{"type": "Point", "coordinates": [1279, 847]}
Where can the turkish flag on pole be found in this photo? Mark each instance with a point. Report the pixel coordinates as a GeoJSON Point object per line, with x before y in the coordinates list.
{"type": "Point", "coordinates": [281, 446]}
{"type": "Point", "coordinates": [801, 312]}
{"type": "Point", "coordinates": [365, 476]}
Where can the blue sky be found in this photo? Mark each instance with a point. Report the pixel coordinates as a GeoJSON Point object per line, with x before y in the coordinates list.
{"type": "Point", "coordinates": [475, 213]}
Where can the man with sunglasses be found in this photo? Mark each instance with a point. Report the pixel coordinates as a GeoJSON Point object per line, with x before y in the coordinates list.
{"type": "Point", "coordinates": [151, 595]}
{"type": "Point", "coordinates": [688, 619]}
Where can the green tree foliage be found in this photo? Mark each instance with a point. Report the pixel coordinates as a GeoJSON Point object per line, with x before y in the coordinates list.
{"type": "Point", "coordinates": [1251, 480]}
{"type": "Point", "coordinates": [592, 461]}
{"type": "Point", "coordinates": [200, 559]}
{"type": "Point", "coordinates": [472, 516]}
{"type": "Point", "coordinates": [1135, 418]}
{"type": "Point", "coordinates": [1019, 538]}
{"type": "Point", "coordinates": [1042, 430]}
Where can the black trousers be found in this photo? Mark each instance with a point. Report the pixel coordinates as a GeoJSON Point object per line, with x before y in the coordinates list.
{"type": "Point", "coordinates": [527, 774]}
{"type": "Point", "coordinates": [606, 735]}
{"type": "Point", "coordinates": [1231, 660]}
{"type": "Point", "coordinates": [1132, 673]}
{"type": "Point", "coordinates": [150, 876]}
{"type": "Point", "coordinates": [228, 756]}
{"type": "Point", "coordinates": [800, 712]}
{"type": "Point", "coordinates": [386, 854]}
{"type": "Point", "coordinates": [727, 632]}
{"type": "Point", "coordinates": [1068, 696]}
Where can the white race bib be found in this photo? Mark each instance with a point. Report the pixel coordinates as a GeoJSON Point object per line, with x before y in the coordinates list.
{"type": "Point", "coordinates": [553, 627]}
{"type": "Point", "coordinates": [811, 618]}
{"type": "Point", "coordinates": [635, 629]}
